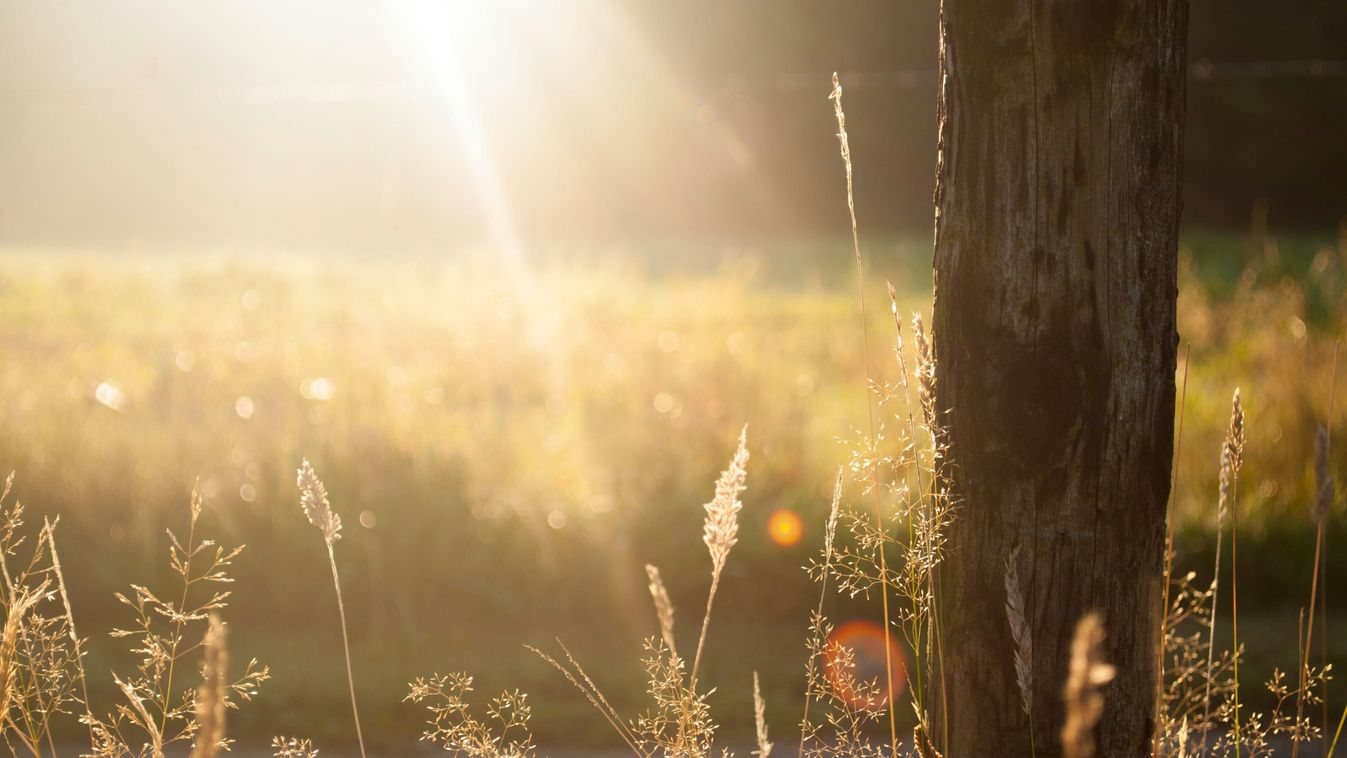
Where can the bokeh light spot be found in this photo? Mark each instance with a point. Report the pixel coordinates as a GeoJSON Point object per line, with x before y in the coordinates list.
{"type": "Point", "coordinates": [854, 664]}
{"type": "Point", "coordinates": [110, 395]}
{"type": "Point", "coordinates": [667, 341]}
{"type": "Point", "coordinates": [320, 388]}
{"type": "Point", "coordinates": [663, 402]}
{"type": "Point", "coordinates": [785, 527]}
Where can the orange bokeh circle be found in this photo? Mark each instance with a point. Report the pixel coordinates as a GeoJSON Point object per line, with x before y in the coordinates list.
{"type": "Point", "coordinates": [785, 527]}
{"type": "Point", "coordinates": [863, 683]}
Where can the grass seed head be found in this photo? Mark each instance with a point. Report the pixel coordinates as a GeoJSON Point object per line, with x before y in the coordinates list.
{"type": "Point", "coordinates": [313, 497]}
{"type": "Point", "coordinates": [1087, 673]}
{"type": "Point", "coordinates": [721, 529]}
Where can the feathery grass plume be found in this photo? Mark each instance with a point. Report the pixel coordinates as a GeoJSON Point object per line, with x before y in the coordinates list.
{"type": "Point", "coordinates": [760, 721]}
{"type": "Point", "coordinates": [313, 498]}
{"type": "Point", "coordinates": [291, 747]}
{"type": "Point", "coordinates": [720, 531]}
{"type": "Point", "coordinates": [1020, 633]}
{"type": "Point", "coordinates": [452, 726]}
{"type": "Point", "coordinates": [1232, 458]}
{"type": "Point", "coordinates": [925, 372]}
{"type": "Point", "coordinates": [844, 145]}
{"type": "Point", "coordinates": [824, 571]}
{"type": "Point", "coordinates": [663, 606]}
{"type": "Point", "coordinates": [1084, 703]}
{"type": "Point", "coordinates": [1232, 450]}
{"type": "Point", "coordinates": [211, 697]}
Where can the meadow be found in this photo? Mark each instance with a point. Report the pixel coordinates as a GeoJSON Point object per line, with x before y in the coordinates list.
{"type": "Point", "coordinates": [509, 442]}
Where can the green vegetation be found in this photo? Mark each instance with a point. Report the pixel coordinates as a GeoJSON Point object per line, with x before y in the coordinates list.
{"type": "Point", "coordinates": [508, 450]}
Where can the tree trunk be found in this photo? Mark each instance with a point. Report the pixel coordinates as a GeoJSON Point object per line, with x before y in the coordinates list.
{"type": "Point", "coordinates": [1057, 213]}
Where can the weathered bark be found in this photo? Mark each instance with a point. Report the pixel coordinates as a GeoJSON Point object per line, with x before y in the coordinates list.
{"type": "Point", "coordinates": [1057, 208]}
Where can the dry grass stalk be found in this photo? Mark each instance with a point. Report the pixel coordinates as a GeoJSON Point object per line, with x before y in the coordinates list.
{"type": "Point", "coordinates": [1323, 576]}
{"type": "Point", "coordinates": [1021, 634]}
{"type": "Point", "coordinates": [829, 534]}
{"type": "Point", "coordinates": [664, 609]}
{"type": "Point", "coordinates": [844, 145]}
{"type": "Point", "coordinates": [1232, 458]}
{"type": "Point", "coordinates": [313, 499]}
{"type": "Point", "coordinates": [932, 521]}
{"type": "Point", "coordinates": [1318, 512]}
{"type": "Point", "coordinates": [1084, 703]}
{"type": "Point", "coordinates": [49, 532]}
{"type": "Point", "coordinates": [575, 674]}
{"type": "Point", "coordinates": [1325, 488]}
{"type": "Point", "coordinates": [760, 721]}
{"type": "Point", "coordinates": [211, 696]}
{"type": "Point", "coordinates": [1232, 449]}
{"type": "Point", "coordinates": [1160, 716]}
{"type": "Point", "coordinates": [720, 531]}
{"type": "Point", "coordinates": [1319, 508]}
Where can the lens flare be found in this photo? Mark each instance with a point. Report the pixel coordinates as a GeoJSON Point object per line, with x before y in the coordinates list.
{"type": "Point", "coordinates": [854, 664]}
{"type": "Point", "coordinates": [785, 527]}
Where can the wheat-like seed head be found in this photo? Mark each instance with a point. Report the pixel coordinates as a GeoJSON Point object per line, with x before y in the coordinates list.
{"type": "Point", "coordinates": [210, 697]}
{"type": "Point", "coordinates": [1324, 489]}
{"type": "Point", "coordinates": [313, 497]}
{"type": "Point", "coordinates": [721, 530]}
{"type": "Point", "coordinates": [663, 606]}
{"type": "Point", "coordinates": [760, 721]}
{"type": "Point", "coordinates": [925, 372]}
{"type": "Point", "coordinates": [1234, 438]}
{"type": "Point", "coordinates": [1088, 672]}
{"type": "Point", "coordinates": [1020, 632]}
{"type": "Point", "coordinates": [830, 530]}
{"type": "Point", "coordinates": [1232, 456]}
{"type": "Point", "coordinates": [845, 145]}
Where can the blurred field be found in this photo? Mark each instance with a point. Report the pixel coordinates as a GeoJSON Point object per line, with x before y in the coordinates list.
{"type": "Point", "coordinates": [508, 444]}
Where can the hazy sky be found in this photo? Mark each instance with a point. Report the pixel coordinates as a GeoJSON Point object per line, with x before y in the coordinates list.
{"type": "Point", "coordinates": [338, 124]}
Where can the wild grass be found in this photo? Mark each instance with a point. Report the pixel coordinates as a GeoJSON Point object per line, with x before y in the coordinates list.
{"type": "Point", "coordinates": [44, 678]}
{"type": "Point", "coordinates": [396, 407]}
{"type": "Point", "coordinates": [313, 499]}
